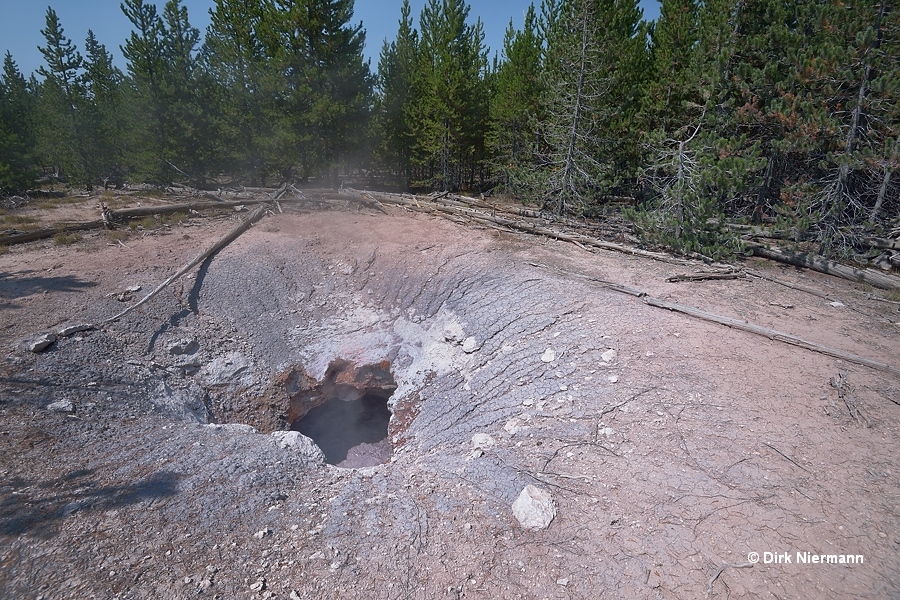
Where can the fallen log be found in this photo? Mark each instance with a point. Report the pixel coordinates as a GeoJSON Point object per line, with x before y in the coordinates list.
{"type": "Point", "coordinates": [49, 232]}
{"type": "Point", "coordinates": [829, 267]}
{"type": "Point", "coordinates": [772, 334]}
{"type": "Point", "coordinates": [232, 235]}
{"type": "Point", "coordinates": [706, 276]}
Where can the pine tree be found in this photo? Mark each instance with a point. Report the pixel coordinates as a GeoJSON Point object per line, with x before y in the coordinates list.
{"type": "Point", "coordinates": [60, 131]}
{"type": "Point", "coordinates": [235, 61]}
{"type": "Point", "coordinates": [103, 122]}
{"type": "Point", "coordinates": [449, 113]}
{"type": "Point", "coordinates": [515, 104]}
{"type": "Point", "coordinates": [17, 170]}
{"type": "Point", "coordinates": [146, 135]}
{"type": "Point", "coordinates": [396, 72]}
{"type": "Point", "coordinates": [595, 63]}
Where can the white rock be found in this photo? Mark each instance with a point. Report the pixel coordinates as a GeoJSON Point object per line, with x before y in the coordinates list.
{"type": "Point", "coordinates": [470, 345]}
{"type": "Point", "coordinates": [534, 508]}
{"type": "Point", "coordinates": [63, 406]}
{"type": "Point", "coordinates": [609, 356]}
{"type": "Point", "coordinates": [299, 444]}
{"type": "Point", "coordinates": [482, 441]}
{"type": "Point", "coordinates": [613, 379]}
{"type": "Point", "coordinates": [41, 343]}
{"type": "Point", "coordinates": [262, 533]}
{"type": "Point", "coordinates": [837, 304]}
{"type": "Point", "coordinates": [453, 332]}
{"type": "Point", "coordinates": [548, 356]}
{"type": "Point", "coordinates": [184, 346]}
{"type": "Point", "coordinates": [563, 581]}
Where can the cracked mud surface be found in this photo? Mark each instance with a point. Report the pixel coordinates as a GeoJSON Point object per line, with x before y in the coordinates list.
{"type": "Point", "coordinates": [686, 449]}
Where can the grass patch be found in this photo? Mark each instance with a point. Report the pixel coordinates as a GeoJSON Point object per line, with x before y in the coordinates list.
{"type": "Point", "coordinates": [117, 235]}
{"type": "Point", "coordinates": [8, 221]}
{"type": "Point", "coordinates": [66, 239]}
{"type": "Point", "coordinates": [177, 218]}
{"type": "Point", "coordinates": [146, 223]}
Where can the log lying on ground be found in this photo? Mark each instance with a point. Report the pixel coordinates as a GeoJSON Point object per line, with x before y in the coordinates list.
{"type": "Point", "coordinates": [229, 237]}
{"type": "Point", "coordinates": [772, 334]}
{"type": "Point", "coordinates": [49, 232]}
{"type": "Point", "coordinates": [823, 265]}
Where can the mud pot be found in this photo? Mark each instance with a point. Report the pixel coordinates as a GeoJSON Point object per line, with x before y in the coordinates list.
{"type": "Point", "coordinates": [350, 405]}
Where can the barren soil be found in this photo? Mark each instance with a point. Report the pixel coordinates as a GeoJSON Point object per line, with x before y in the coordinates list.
{"type": "Point", "coordinates": [669, 461]}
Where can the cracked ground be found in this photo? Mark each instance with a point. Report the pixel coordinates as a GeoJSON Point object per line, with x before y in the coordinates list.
{"type": "Point", "coordinates": [669, 460]}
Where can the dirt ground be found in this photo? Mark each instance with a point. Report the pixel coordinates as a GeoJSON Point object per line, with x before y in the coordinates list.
{"type": "Point", "coordinates": [669, 461]}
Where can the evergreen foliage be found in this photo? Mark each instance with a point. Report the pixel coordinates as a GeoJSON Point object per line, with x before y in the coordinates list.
{"type": "Point", "coordinates": [766, 111]}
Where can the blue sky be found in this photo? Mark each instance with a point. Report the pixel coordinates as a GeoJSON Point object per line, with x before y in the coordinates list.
{"type": "Point", "coordinates": [22, 20]}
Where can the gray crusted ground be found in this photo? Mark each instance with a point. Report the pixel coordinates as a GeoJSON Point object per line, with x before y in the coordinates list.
{"type": "Point", "coordinates": [681, 452]}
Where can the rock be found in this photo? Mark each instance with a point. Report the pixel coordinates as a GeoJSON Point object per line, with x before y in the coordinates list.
{"type": "Point", "coordinates": [482, 441]}
{"type": "Point", "coordinates": [453, 332]}
{"type": "Point", "coordinates": [609, 356]}
{"type": "Point", "coordinates": [184, 346]}
{"type": "Point", "coordinates": [263, 533]}
{"type": "Point", "coordinates": [63, 406]}
{"type": "Point", "coordinates": [258, 586]}
{"type": "Point", "coordinates": [534, 508]}
{"type": "Point", "coordinates": [299, 444]}
{"type": "Point", "coordinates": [563, 581]}
{"type": "Point", "coordinates": [187, 403]}
{"type": "Point", "coordinates": [233, 368]}
{"type": "Point", "coordinates": [294, 595]}
{"type": "Point", "coordinates": [72, 329]}
{"type": "Point", "coordinates": [41, 343]}
{"type": "Point", "coordinates": [205, 585]}
{"type": "Point", "coordinates": [470, 345]}
{"type": "Point", "coordinates": [837, 304]}
{"type": "Point", "coordinates": [548, 356]}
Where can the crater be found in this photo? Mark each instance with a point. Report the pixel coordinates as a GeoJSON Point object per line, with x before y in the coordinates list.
{"type": "Point", "coordinates": [347, 414]}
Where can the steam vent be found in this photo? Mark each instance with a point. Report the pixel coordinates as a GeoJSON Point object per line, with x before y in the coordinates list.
{"type": "Point", "coordinates": [350, 402]}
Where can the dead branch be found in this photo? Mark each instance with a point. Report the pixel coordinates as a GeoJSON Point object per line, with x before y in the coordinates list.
{"type": "Point", "coordinates": [232, 235]}
{"type": "Point", "coordinates": [706, 276]}
{"type": "Point", "coordinates": [712, 579]}
{"type": "Point", "coordinates": [829, 267]}
{"type": "Point", "coordinates": [772, 334]}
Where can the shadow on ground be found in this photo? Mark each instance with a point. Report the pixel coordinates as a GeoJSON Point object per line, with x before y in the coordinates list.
{"type": "Point", "coordinates": [37, 507]}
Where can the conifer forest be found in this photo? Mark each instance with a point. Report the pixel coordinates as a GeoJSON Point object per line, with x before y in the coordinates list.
{"type": "Point", "coordinates": [720, 114]}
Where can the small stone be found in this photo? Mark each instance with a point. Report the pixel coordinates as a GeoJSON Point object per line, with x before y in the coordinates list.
{"type": "Point", "coordinates": [837, 304]}
{"type": "Point", "coordinates": [470, 345]}
{"type": "Point", "coordinates": [614, 379]}
{"type": "Point", "coordinates": [607, 431]}
{"type": "Point", "coordinates": [41, 343]}
{"type": "Point", "coordinates": [258, 586]}
{"type": "Point", "coordinates": [62, 406]}
{"type": "Point", "coordinates": [453, 332]}
{"type": "Point", "coordinates": [527, 402]}
{"type": "Point", "coordinates": [482, 441]}
{"type": "Point", "coordinates": [563, 581]}
{"type": "Point", "coordinates": [534, 508]}
{"type": "Point", "coordinates": [609, 356]}
{"type": "Point", "coordinates": [548, 356]}
{"type": "Point", "coordinates": [184, 346]}
{"type": "Point", "coordinates": [261, 534]}
{"type": "Point", "coordinates": [205, 584]}
{"type": "Point", "coordinates": [294, 595]}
